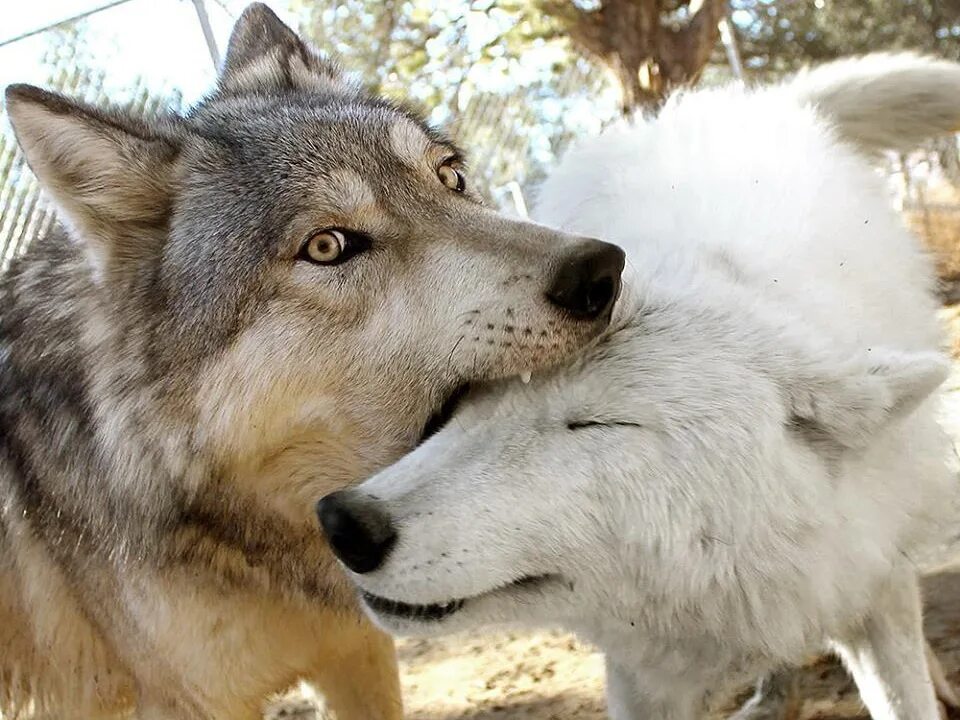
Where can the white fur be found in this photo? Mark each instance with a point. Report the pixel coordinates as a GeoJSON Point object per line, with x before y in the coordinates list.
{"type": "Point", "coordinates": [764, 463]}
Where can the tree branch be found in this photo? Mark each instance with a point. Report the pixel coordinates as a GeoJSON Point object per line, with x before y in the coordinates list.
{"type": "Point", "coordinates": [586, 28]}
{"type": "Point", "coordinates": [683, 53]}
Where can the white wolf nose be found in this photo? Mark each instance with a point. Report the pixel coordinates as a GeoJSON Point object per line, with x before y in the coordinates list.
{"type": "Point", "coordinates": [360, 534]}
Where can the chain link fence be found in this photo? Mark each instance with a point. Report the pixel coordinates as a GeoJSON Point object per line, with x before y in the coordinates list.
{"type": "Point", "coordinates": [509, 149]}
{"type": "Point", "coordinates": [25, 211]}
{"type": "Point", "coordinates": [513, 136]}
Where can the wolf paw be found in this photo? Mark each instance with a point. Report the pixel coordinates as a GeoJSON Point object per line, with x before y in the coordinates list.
{"type": "Point", "coordinates": [776, 697]}
{"type": "Point", "coordinates": [291, 707]}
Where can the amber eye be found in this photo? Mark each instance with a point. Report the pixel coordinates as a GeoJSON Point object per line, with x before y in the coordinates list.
{"type": "Point", "coordinates": [452, 178]}
{"type": "Point", "coordinates": [331, 247]}
{"type": "Point", "coordinates": [325, 247]}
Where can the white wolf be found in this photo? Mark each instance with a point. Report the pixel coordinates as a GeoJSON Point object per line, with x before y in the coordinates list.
{"type": "Point", "coordinates": [744, 470]}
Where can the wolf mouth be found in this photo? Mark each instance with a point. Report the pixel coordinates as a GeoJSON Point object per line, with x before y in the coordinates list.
{"type": "Point", "coordinates": [444, 412]}
{"type": "Point", "coordinates": [434, 612]}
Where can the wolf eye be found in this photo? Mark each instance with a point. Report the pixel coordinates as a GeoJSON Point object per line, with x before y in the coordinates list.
{"type": "Point", "coordinates": [452, 178]}
{"type": "Point", "coordinates": [582, 424]}
{"type": "Point", "coordinates": [331, 247]}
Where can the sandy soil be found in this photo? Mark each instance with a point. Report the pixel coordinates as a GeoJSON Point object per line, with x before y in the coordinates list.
{"type": "Point", "coordinates": [482, 677]}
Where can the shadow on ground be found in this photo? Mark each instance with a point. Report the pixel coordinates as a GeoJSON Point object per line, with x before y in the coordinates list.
{"type": "Point", "coordinates": [564, 706]}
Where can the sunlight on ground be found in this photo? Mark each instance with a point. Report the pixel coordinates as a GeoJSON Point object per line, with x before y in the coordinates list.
{"type": "Point", "coordinates": [515, 675]}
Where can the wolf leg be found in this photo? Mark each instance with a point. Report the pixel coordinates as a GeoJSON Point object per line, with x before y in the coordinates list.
{"type": "Point", "coordinates": [358, 673]}
{"type": "Point", "coordinates": [294, 705]}
{"type": "Point", "coordinates": [156, 707]}
{"type": "Point", "coordinates": [777, 697]}
{"type": "Point", "coordinates": [887, 655]}
{"type": "Point", "coordinates": [946, 692]}
{"type": "Point", "coordinates": [628, 699]}
{"type": "Point", "coordinates": [154, 711]}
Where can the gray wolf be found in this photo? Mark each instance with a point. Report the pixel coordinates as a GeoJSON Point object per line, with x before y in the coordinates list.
{"type": "Point", "coordinates": [745, 469]}
{"type": "Point", "coordinates": [247, 306]}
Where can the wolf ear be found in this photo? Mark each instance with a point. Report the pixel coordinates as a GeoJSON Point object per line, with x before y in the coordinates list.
{"type": "Point", "coordinates": [885, 101]}
{"type": "Point", "coordinates": [850, 405]}
{"type": "Point", "coordinates": [110, 176]}
{"type": "Point", "coordinates": [264, 55]}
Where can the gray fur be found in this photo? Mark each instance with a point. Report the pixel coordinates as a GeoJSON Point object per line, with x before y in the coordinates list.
{"type": "Point", "coordinates": [176, 388]}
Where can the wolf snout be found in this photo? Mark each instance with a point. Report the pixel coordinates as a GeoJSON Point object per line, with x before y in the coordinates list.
{"type": "Point", "coordinates": [587, 283]}
{"type": "Point", "coordinates": [360, 534]}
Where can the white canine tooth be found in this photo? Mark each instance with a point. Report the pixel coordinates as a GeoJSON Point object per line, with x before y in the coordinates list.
{"type": "Point", "coordinates": [525, 377]}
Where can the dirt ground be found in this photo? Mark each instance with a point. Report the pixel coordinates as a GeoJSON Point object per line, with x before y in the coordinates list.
{"type": "Point", "coordinates": [482, 677]}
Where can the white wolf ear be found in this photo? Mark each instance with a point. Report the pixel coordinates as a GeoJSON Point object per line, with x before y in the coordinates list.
{"type": "Point", "coordinates": [851, 404]}
{"type": "Point", "coordinates": [264, 55]}
{"type": "Point", "coordinates": [110, 176]}
{"type": "Point", "coordinates": [885, 101]}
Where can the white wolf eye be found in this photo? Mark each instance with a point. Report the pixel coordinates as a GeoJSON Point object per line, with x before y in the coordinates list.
{"type": "Point", "coordinates": [451, 177]}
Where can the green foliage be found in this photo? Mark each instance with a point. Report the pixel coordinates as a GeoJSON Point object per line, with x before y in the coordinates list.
{"type": "Point", "coordinates": [504, 76]}
{"type": "Point", "coordinates": [499, 76]}
{"type": "Point", "coordinates": [415, 51]}
{"type": "Point", "coordinates": [73, 68]}
{"type": "Point", "coordinates": [781, 35]}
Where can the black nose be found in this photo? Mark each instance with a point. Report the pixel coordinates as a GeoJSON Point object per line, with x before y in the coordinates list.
{"type": "Point", "coordinates": [359, 533]}
{"type": "Point", "coordinates": [588, 281]}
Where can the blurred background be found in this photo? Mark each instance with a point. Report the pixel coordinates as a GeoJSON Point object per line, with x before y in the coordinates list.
{"type": "Point", "coordinates": [515, 81]}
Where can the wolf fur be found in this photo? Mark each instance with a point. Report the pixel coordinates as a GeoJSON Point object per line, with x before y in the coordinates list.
{"type": "Point", "coordinates": [178, 384]}
{"type": "Point", "coordinates": [743, 472]}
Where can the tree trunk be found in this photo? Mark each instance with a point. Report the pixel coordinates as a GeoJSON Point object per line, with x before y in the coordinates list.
{"type": "Point", "coordinates": [640, 84]}
{"type": "Point", "coordinates": [385, 25]}
{"type": "Point", "coordinates": [647, 58]}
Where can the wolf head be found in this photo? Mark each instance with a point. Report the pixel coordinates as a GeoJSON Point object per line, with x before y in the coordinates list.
{"type": "Point", "coordinates": [685, 468]}
{"type": "Point", "coordinates": [297, 266]}
{"type": "Point", "coordinates": [682, 447]}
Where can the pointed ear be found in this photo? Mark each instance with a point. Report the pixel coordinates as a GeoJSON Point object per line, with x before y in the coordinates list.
{"type": "Point", "coordinates": [851, 405]}
{"type": "Point", "coordinates": [264, 55]}
{"type": "Point", "coordinates": [111, 177]}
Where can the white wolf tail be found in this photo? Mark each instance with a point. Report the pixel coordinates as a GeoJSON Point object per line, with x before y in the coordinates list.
{"type": "Point", "coordinates": [885, 101]}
